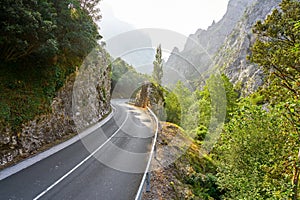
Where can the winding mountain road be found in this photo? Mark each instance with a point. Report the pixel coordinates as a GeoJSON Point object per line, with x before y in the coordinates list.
{"type": "Point", "coordinates": [108, 163]}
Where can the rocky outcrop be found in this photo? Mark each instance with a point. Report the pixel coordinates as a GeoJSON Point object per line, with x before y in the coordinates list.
{"type": "Point", "coordinates": [152, 96]}
{"type": "Point", "coordinates": [232, 57]}
{"type": "Point", "coordinates": [225, 45]}
{"type": "Point", "coordinates": [91, 85]}
{"type": "Point", "coordinates": [91, 92]}
{"type": "Point", "coordinates": [200, 47]}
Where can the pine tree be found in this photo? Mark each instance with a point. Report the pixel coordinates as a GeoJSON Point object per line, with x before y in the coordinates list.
{"type": "Point", "coordinates": [277, 50]}
{"type": "Point", "coordinates": [157, 73]}
{"type": "Point", "coordinates": [277, 47]}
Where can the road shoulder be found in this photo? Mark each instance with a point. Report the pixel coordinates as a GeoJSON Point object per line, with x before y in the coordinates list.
{"type": "Point", "coordinates": [6, 172]}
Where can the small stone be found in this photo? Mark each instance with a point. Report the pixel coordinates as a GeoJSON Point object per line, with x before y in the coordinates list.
{"type": "Point", "coordinates": [6, 140]}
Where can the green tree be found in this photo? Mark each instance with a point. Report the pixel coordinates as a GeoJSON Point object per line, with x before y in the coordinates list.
{"type": "Point", "coordinates": [277, 45]}
{"type": "Point", "coordinates": [217, 100]}
{"type": "Point", "coordinates": [256, 154]}
{"type": "Point", "coordinates": [92, 8]}
{"type": "Point", "coordinates": [76, 34]}
{"type": "Point", "coordinates": [125, 79]}
{"type": "Point", "coordinates": [40, 30]}
{"type": "Point", "coordinates": [157, 73]}
{"type": "Point", "coordinates": [172, 108]}
{"type": "Point", "coordinates": [41, 44]}
{"type": "Point", "coordinates": [25, 27]}
{"type": "Point", "coordinates": [277, 49]}
{"type": "Point", "coordinates": [181, 106]}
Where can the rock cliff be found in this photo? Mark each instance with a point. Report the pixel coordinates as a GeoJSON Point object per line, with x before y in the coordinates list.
{"type": "Point", "coordinates": [225, 46]}
{"type": "Point", "coordinates": [82, 101]}
{"type": "Point", "coordinates": [200, 47]}
{"type": "Point", "coordinates": [231, 58]}
{"type": "Point", "coordinates": [150, 95]}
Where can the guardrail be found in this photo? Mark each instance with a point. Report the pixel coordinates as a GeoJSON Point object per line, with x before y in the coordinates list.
{"type": "Point", "coordinates": [146, 176]}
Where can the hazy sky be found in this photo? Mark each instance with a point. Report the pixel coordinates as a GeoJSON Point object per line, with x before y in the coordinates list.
{"type": "Point", "coordinates": [182, 16]}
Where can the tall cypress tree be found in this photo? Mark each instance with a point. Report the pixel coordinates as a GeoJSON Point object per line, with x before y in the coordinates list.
{"type": "Point", "coordinates": [157, 73]}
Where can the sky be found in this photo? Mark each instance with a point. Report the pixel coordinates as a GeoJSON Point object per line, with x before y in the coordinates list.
{"type": "Point", "coordinates": [130, 26]}
{"type": "Point", "coordinates": [182, 16]}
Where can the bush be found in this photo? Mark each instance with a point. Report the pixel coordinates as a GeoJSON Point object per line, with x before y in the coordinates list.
{"type": "Point", "coordinates": [256, 154]}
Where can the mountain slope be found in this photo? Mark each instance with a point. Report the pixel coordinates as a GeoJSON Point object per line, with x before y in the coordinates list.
{"type": "Point", "coordinates": [83, 100]}
{"type": "Point", "coordinates": [201, 46]}
{"type": "Point", "coordinates": [224, 46]}
{"type": "Point", "coordinates": [231, 57]}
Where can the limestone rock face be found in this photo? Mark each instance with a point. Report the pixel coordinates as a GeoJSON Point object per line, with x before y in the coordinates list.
{"type": "Point", "coordinates": [231, 58]}
{"type": "Point", "coordinates": [152, 96]}
{"type": "Point", "coordinates": [91, 91]}
{"type": "Point", "coordinates": [200, 47]}
{"type": "Point", "coordinates": [224, 46]}
{"type": "Point", "coordinates": [81, 102]}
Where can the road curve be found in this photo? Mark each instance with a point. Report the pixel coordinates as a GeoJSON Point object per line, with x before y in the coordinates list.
{"type": "Point", "coordinates": [106, 164]}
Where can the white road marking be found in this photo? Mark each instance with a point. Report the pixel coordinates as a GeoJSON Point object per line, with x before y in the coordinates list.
{"type": "Point", "coordinates": [138, 195]}
{"type": "Point", "coordinates": [79, 164]}
{"type": "Point", "coordinates": [30, 161]}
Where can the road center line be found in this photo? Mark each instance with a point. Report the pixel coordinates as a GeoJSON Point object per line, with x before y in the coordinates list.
{"type": "Point", "coordinates": [81, 163]}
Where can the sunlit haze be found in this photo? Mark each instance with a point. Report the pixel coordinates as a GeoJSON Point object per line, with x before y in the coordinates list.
{"type": "Point", "coordinates": [184, 17]}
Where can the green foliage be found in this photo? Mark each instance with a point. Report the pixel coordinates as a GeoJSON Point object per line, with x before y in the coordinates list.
{"type": "Point", "coordinates": [180, 104]}
{"type": "Point", "coordinates": [277, 45]}
{"type": "Point", "coordinates": [277, 50]}
{"type": "Point", "coordinates": [256, 154]}
{"type": "Point", "coordinates": [200, 132]}
{"type": "Point", "coordinates": [157, 73]}
{"type": "Point", "coordinates": [231, 95]}
{"type": "Point", "coordinates": [198, 109]}
{"type": "Point", "coordinates": [200, 176]}
{"type": "Point", "coordinates": [204, 186]}
{"type": "Point", "coordinates": [42, 42]}
{"type": "Point", "coordinates": [172, 108]}
{"type": "Point", "coordinates": [26, 26]}
{"type": "Point", "coordinates": [39, 30]}
{"type": "Point", "coordinates": [217, 100]}
{"type": "Point", "coordinates": [30, 93]}
{"type": "Point", "coordinates": [91, 7]}
{"type": "Point", "coordinates": [76, 34]}
{"type": "Point", "coordinates": [125, 79]}
{"type": "Point", "coordinates": [4, 111]}
{"type": "Point", "coordinates": [256, 99]}
{"type": "Point", "coordinates": [184, 96]}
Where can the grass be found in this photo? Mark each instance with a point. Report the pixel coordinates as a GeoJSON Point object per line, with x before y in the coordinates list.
{"type": "Point", "coordinates": [196, 171]}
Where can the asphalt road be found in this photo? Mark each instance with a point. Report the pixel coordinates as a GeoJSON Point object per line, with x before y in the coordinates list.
{"type": "Point", "coordinates": [106, 164]}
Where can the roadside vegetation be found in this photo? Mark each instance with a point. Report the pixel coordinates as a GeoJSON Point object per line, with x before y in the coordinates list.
{"type": "Point", "coordinates": [257, 154]}
{"type": "Point", "coordinates": [125, 79]}
{"type": "Point", "coordinates": [42, 43]}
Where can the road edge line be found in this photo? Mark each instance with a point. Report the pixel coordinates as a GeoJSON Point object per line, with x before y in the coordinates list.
{"type": "Point", "coordinates": [40, 156]}
{"type": "Point", "coordinates": [138, 195]}
{"type": "Point", "coordinates": [79, 164]}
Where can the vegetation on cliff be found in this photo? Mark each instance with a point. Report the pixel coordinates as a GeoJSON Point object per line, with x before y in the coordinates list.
{"type": "Point", "coordinates": [255, 138]}
{"type": "Point", "coordinates": [257, 154]}
{"type": "Point", "coordinates": [125, 79]}
{"type": "Point", "coordinates": [50, 66]}
{"type": "Point", "coordinates": [42, 42]}
{"type": "Point", "coordinates": [260, 144]}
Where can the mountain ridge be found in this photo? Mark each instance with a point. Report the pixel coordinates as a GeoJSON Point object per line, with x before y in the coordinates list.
{"type": "Point", "coordinates": [224, 46]}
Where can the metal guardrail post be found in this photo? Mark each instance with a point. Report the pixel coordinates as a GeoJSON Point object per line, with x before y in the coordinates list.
{"type": "Point", "coordinates": [146, 176]}
{"type": "Point", "coordinates": [148, 188]}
